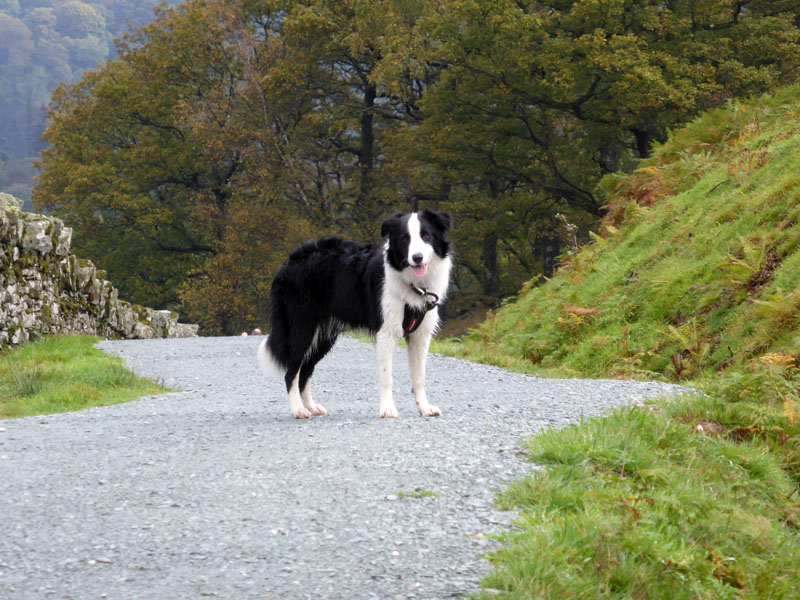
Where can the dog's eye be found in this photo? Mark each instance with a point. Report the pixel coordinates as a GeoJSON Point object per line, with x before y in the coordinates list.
{"type": "Point", "coordinates": [426, 236]}
{"type": "Point", "coordinates": [406, 237]}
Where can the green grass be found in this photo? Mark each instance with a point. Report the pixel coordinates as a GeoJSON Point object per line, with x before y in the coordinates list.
{"type": "Point", "coordinates": [694, 278]}
{"type": "Point", "coordinates": [368, 339]}
{"type": "Point", "coordinates": [675, 500]}
{"type": "Point", "coordinates": [417, 493]}
{"type": "Point", "coordinates": [63, 374]}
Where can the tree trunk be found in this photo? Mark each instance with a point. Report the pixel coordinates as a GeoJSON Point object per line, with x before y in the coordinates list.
{"type": "Point", "coordinates": [366, 158]}
{"type": "Point", "coordinates": [643, 141]}
{"type": "Point", "coordinates": [551, 248]}
{"type": "Point", "coordinates": [491, 277]}
{"type": "Point", "coordinates": [609, 159]}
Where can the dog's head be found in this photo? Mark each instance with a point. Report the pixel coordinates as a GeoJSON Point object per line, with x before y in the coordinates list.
{"type": "Point", "coordinates": [415, 239]}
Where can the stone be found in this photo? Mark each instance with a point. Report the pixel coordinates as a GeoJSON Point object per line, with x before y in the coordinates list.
{"type": "Point", "coordinates": [85, 274]}
{"type": "Point", "coordinates": [125, 318]}
{"type": "Point", "coordinates": [64, 241]}
{"type": "Point", "coordinates": [143, 332]}
{"type": "Point", "coordinates": [186, 330]}
{"type": "Point", "coordinates": [7, 200]}
{"type": "Point", "coordinates": [45, 290]}
{"type": "Point", "coordinates": [158, 322]}
{"type": "Point", "coordinates": [35, 236]}
{"type": "Point", "coordinates": [20, 336]}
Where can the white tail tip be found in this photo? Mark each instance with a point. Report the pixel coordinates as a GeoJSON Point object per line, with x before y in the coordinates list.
{"type": "Point", "coordinates": [267, 361]}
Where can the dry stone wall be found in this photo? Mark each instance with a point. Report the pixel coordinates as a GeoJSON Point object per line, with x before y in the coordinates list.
{"type": "Point", "coordinates": [44, 289]}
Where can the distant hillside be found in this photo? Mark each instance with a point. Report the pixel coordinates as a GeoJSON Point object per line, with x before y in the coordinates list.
{"type": "Point", "coordinates": [43, 44]}
{"type": "Point", "coordinates": [696, 268]}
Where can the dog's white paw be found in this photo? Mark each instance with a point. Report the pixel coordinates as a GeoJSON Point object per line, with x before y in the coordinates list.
{"type": "Point", "coordinates": [317, 410]}
{"type": "Point", "coordinates": [430, 411]}
{"type": "Point", "coordinates": [389, 412]}
{"type": "Point", "coordinates": [301, 413]}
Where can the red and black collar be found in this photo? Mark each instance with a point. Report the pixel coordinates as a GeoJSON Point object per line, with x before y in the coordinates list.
{"type": "Point", "coordinates": [413, 316]}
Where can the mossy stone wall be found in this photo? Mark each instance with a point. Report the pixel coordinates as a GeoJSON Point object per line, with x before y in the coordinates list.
{"type": "Point", "coordinates": [45, 290]}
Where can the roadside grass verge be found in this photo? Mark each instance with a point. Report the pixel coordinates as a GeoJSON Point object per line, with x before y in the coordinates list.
{"type": "Point", "coordinates": [694, 278]}
{"type": "Point", "coordinates": [62, 374]}
{"type": "Point", "coordinates": [691, 498]}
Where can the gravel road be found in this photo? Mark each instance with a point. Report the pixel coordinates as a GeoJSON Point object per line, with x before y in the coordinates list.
{"type": "Point", "coordinates": [215, 491]}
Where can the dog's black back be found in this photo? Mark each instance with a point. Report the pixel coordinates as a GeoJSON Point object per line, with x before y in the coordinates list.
{"type": "Point", "coordinates": [325, 286]}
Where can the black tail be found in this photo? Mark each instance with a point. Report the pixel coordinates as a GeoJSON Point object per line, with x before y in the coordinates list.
{"type": "Point", "coordinates": [297, 341]}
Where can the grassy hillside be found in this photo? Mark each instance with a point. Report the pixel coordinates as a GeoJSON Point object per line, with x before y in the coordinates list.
{"type": "Point", "coordinates": [697, 270]}
{"type": "Point", "coordinates": [694, 277]}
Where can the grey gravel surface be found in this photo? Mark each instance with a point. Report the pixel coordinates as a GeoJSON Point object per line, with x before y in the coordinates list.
{"type": "Point", "coordinates": [215, 491]}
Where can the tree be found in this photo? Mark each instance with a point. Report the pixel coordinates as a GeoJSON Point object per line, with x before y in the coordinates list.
{"type": "Point", "coordinates": [161, 159]}
{"type": "Point", "coordinates": [172, 144]}
{"type": "Point", "coordinates": [129, 161]}
{"type": "Point", "coordinates": [225, 132]}
{"type": "Point", "coordinates": [323, 56]}
{"type": "Point", "coordinates": [75, 20]}
{"type": "Point", "coordinates": [20, 89]}
{"type": "Point", "coordinates": [538, 100]}
{"type": "Point", "coordinates": [9, 7]}
{"type": "Point", "coordinates": [16, 40]}
{"type": "Point", "coordinates": [63, 39]}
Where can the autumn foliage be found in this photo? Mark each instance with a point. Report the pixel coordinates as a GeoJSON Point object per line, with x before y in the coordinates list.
{"type": "Point", "coordinates": [227, 132]}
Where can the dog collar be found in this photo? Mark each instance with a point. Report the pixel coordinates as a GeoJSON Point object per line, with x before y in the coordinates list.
{"type": "Point", "coordinates": [428, 304]}
{"type": "Point", "coordinates": [413, 316]}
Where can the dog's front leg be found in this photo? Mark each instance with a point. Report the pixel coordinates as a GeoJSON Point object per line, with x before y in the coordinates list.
{"type": "Point", "coordinates": [384, 346]}
{"type": "Point", "coordinates": [418, 344]}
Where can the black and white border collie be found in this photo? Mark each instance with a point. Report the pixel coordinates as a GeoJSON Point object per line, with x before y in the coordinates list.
{"type": "Point", "coordinates": [329, 285]}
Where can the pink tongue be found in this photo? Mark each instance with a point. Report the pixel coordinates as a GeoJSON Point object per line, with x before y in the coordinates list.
{"type": "Point", "coordinates": [419, 270]}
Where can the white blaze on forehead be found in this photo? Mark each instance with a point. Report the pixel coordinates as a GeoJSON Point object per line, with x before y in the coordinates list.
{"type": "Point", "coordinates": [416, 245]}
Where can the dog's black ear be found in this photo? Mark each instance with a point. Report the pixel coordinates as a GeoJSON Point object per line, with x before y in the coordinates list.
{"type": "Point", "coordinates": [390, 224]}
{"type": "Point", "coordinates": [441, 220]}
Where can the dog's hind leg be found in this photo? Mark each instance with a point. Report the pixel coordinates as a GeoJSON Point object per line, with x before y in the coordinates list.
{"type": "Point", "coordinates": [304, 346]}
{"type": "Point", "coordinates": [322, 345]}
{"type": "Point", "coordinates": [295, 399]}
{"type": "Point", "coordinates": [315, 409]}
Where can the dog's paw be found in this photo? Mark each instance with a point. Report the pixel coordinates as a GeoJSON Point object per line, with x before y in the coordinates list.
{"type": "Point", "coordinates": [318, 410]}
{"type": "Point", "coordinates": [301, 413]}
{"type": "Point", "coordinates": [430, 411]}
{"type": "Point", "coordinates": [389, 412]}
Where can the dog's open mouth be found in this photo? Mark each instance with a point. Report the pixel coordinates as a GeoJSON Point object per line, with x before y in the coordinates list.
{"type": "Point", "coordinates": [420, 270]}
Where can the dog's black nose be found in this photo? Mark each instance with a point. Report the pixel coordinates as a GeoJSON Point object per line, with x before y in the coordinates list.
{"type": "Point", "coordinates": [417, 258]}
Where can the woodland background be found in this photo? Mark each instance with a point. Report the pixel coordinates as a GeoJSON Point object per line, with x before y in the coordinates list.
{"type": "Point", "coordinates": [44, 43]}
{"type": "Point", "coordinates": [223, 133]}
